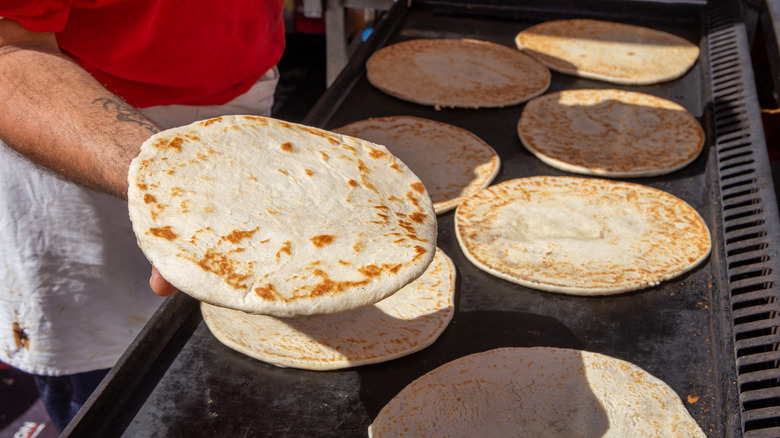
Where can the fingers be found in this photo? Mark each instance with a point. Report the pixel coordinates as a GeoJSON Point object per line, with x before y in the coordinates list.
{"type": "Point", "coordinates": [159, 285]}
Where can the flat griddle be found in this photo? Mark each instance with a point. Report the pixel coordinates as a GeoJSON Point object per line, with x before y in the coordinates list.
{"type": "Point", "coordinates": [710, 334]}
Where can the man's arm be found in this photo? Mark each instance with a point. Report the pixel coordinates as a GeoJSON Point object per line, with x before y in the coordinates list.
{"type": "Point", "coordinates": [56, 114]}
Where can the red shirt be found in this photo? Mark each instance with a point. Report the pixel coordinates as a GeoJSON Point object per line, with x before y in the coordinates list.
{"type": "Point", "coordinates": [158, 52]}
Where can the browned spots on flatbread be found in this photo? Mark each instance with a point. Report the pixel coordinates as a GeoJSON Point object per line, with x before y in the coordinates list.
{"type": "Point", "coordinates": [324, 156]}
{"type": "Point", "coordinates": [21, 339]}
{"type": "Point", "coordinates": [377, 154]}
{"type": "Point", "coordinates": [286, 147]}
{"type": "Point", "coordinates": [418, 217]}
{"type": "Point", "coordinates": [327, 286]}
{"type": "Point", "coordinates": [283, 172]}
{"type": "Point", "coordinates": [308, 172]}
{"type": "Point", "coordinates": [174, 143]}
{"type": "Point", "coordinates": [177, 191]}
{"type": "Point", "coordinates": [371, 271]}
{"type": "Point", "coordinates": [267, 292]}
{"type": "Point", "coordinates": [149, 199]}
{"type": "Point", "coordinates": [210, 121]}
{"type": "Point", "coordinates": [285, 249]}
{"type": "Point", "coordinates": [353, 183]}
{"type": "Point", "coordinates": [358, 247]}
{"type": "Point", "coordinates": [163, 232]}
{"type": "Point", "coordinates": [142, 187]}
{"type": "Point", "coordinates": [262, 121]}
{"type": "Point", "coordinates": [322, 240]}
{"type": "Point", "coordinates": [236, 236]}
{"type": "Point", "coordinates": [418, 187]}
{"type": "Point", "coordinates": [221, 265]}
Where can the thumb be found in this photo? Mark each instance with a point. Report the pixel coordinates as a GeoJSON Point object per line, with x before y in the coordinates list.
{"type": "Point", "coordinates": [159, 285]}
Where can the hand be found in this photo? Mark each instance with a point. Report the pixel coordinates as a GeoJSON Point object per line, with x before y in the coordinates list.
{"type": "Point", "coordinates": [159, 285]}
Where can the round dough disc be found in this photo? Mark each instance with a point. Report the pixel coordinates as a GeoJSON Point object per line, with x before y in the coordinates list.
{"type": "Point", "coordinates": [403, 323]}
{"type": "Point", "coordinates": [451, 162]}
{"type": "Point", "coordinates": [457, 73]}
{"type": "Point", "coordinates": [270, 217]}
{"type": "Point", "coordinates": [536, 392]}
{"type": "Point", "coordinates": [608, 51]}
{"type": "Point", "coordinates": [610, 133]}
{"type": "Point", "coordinates": [580, 236]}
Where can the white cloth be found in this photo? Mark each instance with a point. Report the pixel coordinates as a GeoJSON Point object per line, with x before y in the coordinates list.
{"type": "Point", "coordinates": [74, 287]}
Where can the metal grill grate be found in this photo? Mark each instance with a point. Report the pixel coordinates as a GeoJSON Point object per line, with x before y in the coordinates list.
{"type": "Point", "coordinates": [749, 219]}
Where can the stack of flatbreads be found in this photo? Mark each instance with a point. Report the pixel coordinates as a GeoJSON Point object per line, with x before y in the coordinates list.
{"type": "Point", "coordinates": [452, 162]}
{"type": "Point", "coordinates": [580, 236]}
{"type": "Point", "coordinates": [608, 51]}
{"type": "Point", "coordinates": [458, 73]}
{"type": "Point", "coordinates": [536, 392]}
{"type": "Point", "coordinates": [270, 217]}
{"type": "Point", "coordinates": [405, 322]}
{"type": "Point", "coordinates": [611, 133]}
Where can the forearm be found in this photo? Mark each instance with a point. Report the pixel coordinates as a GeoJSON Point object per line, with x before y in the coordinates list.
{"type": "Point", "coordinates": [56, 114]}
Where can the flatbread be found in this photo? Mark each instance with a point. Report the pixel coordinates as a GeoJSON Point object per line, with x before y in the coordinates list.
{"type": "Point", "coordinates": [270, 217]}
{"type": "Point", "coordinates": [452, 162]}
{"type": "Point", "coordinates": [580, 236]}
{"type": "Point", "coordinates": [403, 323]}
{"type": "Point", "coordinates": [610, 133]}
{"type": "Point", "coordinates": [456, 73]}
{"type": "Point", "coordinates": [607, 51]}
{"type": "Point", "coordinates": [536, 392]}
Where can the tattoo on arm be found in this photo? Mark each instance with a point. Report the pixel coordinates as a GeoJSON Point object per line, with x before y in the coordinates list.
{"type": "Point", "coordinates": [125, 112]}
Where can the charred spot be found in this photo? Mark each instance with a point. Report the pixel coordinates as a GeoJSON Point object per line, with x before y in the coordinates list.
{"type": "Point", "coordinates": [210, 121]}
{"type": "Point", "coordinates": [353, 183]}
{"type": "Point", "coordinates": [370, 270]}
{"type": "Point", "coordinates": [287, 147]}
{"type": "Point", "coordinates": [328, 286]}
{"type": "Point", "coordinates": [266, 292]}
{"type": "Point", "coordinates": [149, 199]}
{"type": "Point", "coordinates": [377, 154]}
{"type": "Point", "coordinates": [308, 172]}
{"type": "Point", "coordinates": [259, 120]}
{"type": "Point", "coordinates": [322, 240]}
{"type": "Point", "coordinates": [418, 187]}
{"type": "Point", "coordinates": [20, 336]}
{"type": "Point", "coordinates": [418, 217]}
{"type": "Point", "coordinates": [395, 167]}
{"type": "Point", "coordinates": [324, 156]}
{"type": "Point", "coordinates": [142, 187]}
{"type": "Point", "coordinates": [236, 236]}
{"type": "Point", "coordinates": [224, 267]}
{"type": "Point", "coordinates": [163, 232]}
{"type": "Point", "coordinates": [175, 144]}
{"type": "Point", "coordinates": [358, 247]}
{"type": "Point", "coordinates": [285, 249]}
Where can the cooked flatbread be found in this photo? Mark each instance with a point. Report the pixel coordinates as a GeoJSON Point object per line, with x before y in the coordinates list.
{"type": "Point", "coordinates": [403, 323]}
{"type": "Point", "coordinates": [457, 73]}
{"type": "Point", "coordinates": [580, 236]}
{"type": "Point", "coordinates": [536, 392]}
{"type": "Point", "coordinates": [270, 217]}
{"type": "Point", "coordinates": [452, 162]}
{"type": "Point", "coordinates": [611, 133]}
{"type": "Point", "coordinates": [607, 51]}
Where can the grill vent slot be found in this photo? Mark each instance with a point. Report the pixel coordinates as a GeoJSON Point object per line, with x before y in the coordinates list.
{"type": "Point", "coordinates": [748, 226]}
